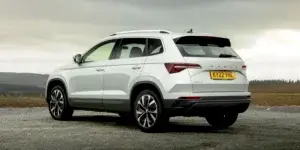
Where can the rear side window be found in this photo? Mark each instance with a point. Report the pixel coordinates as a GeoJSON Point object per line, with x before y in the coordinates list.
{"type": "Point", "coordinates": [199, 46]}
{"type": "Point", "coordinates": [154, 46]}
{"type": "Point", "coordinates": [131, 48]}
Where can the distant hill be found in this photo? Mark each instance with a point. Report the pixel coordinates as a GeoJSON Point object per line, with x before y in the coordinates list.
{"type": "Point", "coordinates": [22, 82]}
{"type": "Point", "coordinates": [264, 82]}
{"type": "Point", "coordinates": [35, 83]}
{"type": "Point", "coordinates": [23, 79]}
{"type": "Point", "coordinates": [18, 89]}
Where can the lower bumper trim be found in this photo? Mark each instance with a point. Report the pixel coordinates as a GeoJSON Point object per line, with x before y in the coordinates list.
{"type": "Point", "coordinates": [209, 106]}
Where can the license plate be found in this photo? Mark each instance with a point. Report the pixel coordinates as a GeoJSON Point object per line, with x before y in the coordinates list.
{"type": "Point", "coordinates": [222, 75]}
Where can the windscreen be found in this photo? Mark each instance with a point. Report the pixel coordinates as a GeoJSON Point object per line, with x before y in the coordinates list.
{"type": "Point", "coordinates": [199, 46]}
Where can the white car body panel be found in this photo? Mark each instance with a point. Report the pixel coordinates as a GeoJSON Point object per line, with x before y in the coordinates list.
{"type": "Point", "coordinates": [86, 80]}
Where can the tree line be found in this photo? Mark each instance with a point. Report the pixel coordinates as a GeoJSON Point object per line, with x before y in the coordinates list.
{"type": "Point", "coordinates": [281, 81]}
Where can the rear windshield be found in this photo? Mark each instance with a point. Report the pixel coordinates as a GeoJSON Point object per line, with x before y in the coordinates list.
{"type": "Point", "coordinates": [198, 46]}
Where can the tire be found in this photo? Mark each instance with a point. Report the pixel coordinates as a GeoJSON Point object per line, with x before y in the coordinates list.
{"type": "Point", "coordinates": [149, 115]}
{"type": "Point", "coordinates": [58, 105]}
{"type": "Point", "coordinates": [222, 121]}
{"type": "Point", "coordinates": [124, 114]}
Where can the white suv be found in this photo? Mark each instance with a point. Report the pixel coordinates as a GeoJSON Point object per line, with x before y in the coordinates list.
{"type": "Point", "coordinates": [151, 75]}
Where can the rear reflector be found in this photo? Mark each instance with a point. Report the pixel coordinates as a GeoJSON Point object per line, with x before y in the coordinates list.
{"type": "Point", "coordinates": [244, 67]}
{"type": "Point", "coordinates": [177, 67]}
{"type": "Point", "coordinates": [190, 98]}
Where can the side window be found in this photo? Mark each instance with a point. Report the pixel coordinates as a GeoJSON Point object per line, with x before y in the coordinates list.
{"type": "Point", "coordinates": [155, 46]}
{"type": "Point", "coordinates": [100, 52]}
{"type": "Point", "coordinates": [131, 48]}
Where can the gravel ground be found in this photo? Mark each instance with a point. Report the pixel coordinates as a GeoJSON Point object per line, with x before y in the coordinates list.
{"type": "Point", "coordinates": [32, 128]}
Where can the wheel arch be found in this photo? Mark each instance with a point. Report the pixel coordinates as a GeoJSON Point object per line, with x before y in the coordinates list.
{"type": "Point", "coordinates": [141, 85]}
{"type": "Point", "coordinates": [53, 82]}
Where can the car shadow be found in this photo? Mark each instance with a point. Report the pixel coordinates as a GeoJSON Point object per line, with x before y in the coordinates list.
{"type": "Point", "coordinates": [198, 128]}
{"type": "Point", "coordinates": [172, 126]}
{"type": "Point", "coordinates": [105, 120]}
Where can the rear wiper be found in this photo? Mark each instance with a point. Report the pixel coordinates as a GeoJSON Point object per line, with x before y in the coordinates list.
{"type": "Point", "coordinates": [226, 55]}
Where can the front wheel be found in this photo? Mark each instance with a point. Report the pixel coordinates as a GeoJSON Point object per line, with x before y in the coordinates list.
{"type": "Point", "coordinates": [148, 111]}
{"type": "Point", "coordinates": [58, 104]}
{"type": "Point", "coordinates": [222, 121]}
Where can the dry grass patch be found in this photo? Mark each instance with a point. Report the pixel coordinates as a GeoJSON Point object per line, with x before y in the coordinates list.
{"type": "Point", "coordinates": [276, 99]}
{"type": "Point", "coordinates": [24, 102]}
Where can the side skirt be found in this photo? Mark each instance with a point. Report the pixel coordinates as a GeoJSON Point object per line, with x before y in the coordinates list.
{"type": "Point", "coordinates": [105, 105]}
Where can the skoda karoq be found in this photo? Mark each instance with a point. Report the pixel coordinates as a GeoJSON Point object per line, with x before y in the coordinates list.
{"type": "Point", "coordinates": [152, 75]}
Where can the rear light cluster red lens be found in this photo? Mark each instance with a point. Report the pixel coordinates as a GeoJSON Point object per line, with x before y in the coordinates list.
{"type": "Point", "coordinates": [244, 67]}
{"type": "Point", "coordinates": [177, 67]}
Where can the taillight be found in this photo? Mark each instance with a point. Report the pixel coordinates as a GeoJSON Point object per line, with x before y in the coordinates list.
{"type": "Point", "coordinates": [244, 67]}
{"type": "Point", "coordinates": [177, 67]}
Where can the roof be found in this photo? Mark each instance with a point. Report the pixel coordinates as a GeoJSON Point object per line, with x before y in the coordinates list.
{"type": "Point", "coordinates": [156, 33]}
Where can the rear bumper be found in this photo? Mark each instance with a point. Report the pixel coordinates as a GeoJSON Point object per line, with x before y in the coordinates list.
{"type": "Point", "coordinates": [207, 106]}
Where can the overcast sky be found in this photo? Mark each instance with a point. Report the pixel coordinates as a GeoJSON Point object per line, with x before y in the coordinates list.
{"type": "Point", "coordinates": [40, 35]}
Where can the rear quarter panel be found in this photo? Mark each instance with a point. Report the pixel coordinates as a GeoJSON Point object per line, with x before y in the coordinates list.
{"type": "Point", "coordinates": [171, 85]}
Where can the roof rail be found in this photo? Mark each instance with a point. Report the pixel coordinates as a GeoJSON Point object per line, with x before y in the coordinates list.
{"type": "Point", "coordinates": [142, 31]}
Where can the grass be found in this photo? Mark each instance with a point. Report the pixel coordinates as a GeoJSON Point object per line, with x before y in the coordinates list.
{"type": "Point", "coordinates": [12, 101]}
{"type": "Point", "coordinates": [276, 99]}
{"type": "Point", "coordinates": [262, 95]}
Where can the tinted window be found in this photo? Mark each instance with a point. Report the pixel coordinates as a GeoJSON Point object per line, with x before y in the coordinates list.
{"type": "Point", "coordinates": [197, 46]}
{"type": "Point", "coordinates": [131, 48]}
{"type": "Point", "coordinates": [154, 46]}
{"type": "Point", "coordinates": [100, 52]}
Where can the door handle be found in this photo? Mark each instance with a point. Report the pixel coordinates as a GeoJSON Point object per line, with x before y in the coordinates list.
{"type": "Point", "coordinates": [99, 69]}
{"type": "Point", "coordinates": [136, 67]}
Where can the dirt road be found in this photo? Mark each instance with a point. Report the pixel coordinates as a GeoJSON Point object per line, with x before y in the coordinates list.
{"type": "Point", "coordinates": [32, 128]}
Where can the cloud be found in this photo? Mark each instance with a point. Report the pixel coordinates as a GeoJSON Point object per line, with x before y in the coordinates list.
{"type": "Point", "coordinates": [33, 29]}
{"type": "Point", "coordinates": [206, 14]}
{"type": "Point", "coordinates": [36, 61]}
{"type": "Point", "coordinates": [35, 21]}
{"type": "Point", "coordinates": [275, 54]}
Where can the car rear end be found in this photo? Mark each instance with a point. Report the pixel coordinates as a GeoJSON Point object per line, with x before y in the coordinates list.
{"type": "Point", "coordinates": [217, 76]}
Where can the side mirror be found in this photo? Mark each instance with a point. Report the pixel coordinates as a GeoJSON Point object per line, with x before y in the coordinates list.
{"type": "Point", "coordinates": [77, 58]}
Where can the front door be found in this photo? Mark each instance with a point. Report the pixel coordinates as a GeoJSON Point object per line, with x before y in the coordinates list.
{"type": "Point", "coordinates": [86, 80]}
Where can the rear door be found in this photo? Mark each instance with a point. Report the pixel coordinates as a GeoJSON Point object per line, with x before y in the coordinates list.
{"type": "Point", "coordinates": [121, 70]}
{"type": "Point", "coordinates": [222, 70]}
